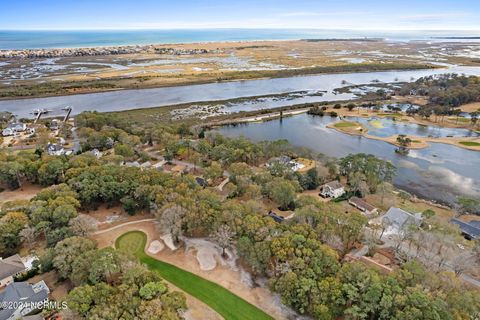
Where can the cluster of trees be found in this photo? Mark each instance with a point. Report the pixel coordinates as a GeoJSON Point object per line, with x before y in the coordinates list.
{"type": "Point", "coordinates": [51, 215]}
{"type": "Point", "coordinates": [303, 267]}
{"type": "Point", "coordinates": [451, 90]}
{"type": "Point", "coordinates": [110, 284]}
{"type": "Point", "coordinates": [366, 173]}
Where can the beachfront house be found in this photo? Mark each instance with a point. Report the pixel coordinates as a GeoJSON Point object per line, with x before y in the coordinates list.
{"type": "Point", "coordinates": [22, 298]}
{"type": "Point", "coordinates": [9, 268]}
{"type": "Point", "coordinates": [333, 189]}
{"type": "Point", "coordinates": [398, 220]}
{"type": "Point", "coordinates": [363, 206]}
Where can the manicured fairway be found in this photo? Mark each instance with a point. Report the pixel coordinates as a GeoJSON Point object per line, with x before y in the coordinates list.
{"type": "Point", "coordinates": [228, 305]}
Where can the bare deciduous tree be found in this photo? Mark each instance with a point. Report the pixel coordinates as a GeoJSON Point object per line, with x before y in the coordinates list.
{"type": "Point", "coordinates": [83, 225]}
{"type": "Point", "coordinates": [171, 218]}
{"type": "Point", "coordinates": [224, 237]}
{"type": "Point", "coordinates": [28, 235]}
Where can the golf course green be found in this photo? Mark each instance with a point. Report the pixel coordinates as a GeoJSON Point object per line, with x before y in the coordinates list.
{"type": "Point", "coordinates": [227, 304]}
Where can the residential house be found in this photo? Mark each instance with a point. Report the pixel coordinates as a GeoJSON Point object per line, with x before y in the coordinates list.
{"type": "Point", "coordinates": [18, 126]}
{"type": "Point", "coordinates": [363, 206]}
{"type": "Point", "coordinates": [399, 220]}
{"type": "Point", "coordinates": [55, 149]}
{"type": "Point", "coordinates": [9, 268]}
{"type": "Point", "coordinates": [333, 189]}
{"type": "Point", "coordinates": [471, 230]}
{"type": "Point", "coordinates": [54, 125]}
{"type": "Point", "coordinates": [21, 299]}
{"type": "Point", "coordinates": [7, 132]}
{"type": "Point", "coordinates": [286, 161]}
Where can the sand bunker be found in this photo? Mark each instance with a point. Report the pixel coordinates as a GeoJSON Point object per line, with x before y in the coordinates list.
{"type": "Point", "coordinates": [155, 247]}
{"type": "Point", "coordinates": [206, 259]}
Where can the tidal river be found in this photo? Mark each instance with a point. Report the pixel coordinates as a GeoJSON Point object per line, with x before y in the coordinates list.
{"type": "Point", "coordinates": [157, 97]}
{"type": "Point", "coordinates": [440, 172]}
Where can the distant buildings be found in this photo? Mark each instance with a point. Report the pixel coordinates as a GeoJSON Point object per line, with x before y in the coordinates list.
{"type": "Point", "coordinates": [21, 298]}
{"type": "Point", "coordinates": [333, 189]}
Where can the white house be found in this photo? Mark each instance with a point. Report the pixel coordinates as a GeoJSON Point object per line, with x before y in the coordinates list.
{"type": "Point", "coordinates": [333, 189]}
{"type": "Point", "coordinates": [9, 268]}
{"type": "Point", "coordinates": [7, 132]}
{"type": "Point", "coordinates": [55, 149]}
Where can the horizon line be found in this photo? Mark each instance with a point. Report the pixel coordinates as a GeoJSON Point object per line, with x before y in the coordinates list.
{"type": "Point", "coordinates": [241, 28]}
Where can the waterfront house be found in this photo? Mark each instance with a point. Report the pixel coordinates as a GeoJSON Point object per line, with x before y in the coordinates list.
{"type": "Point", "coordinates": [22, 298]}
{"type": "Point", "coordinates": [333, 189]}
{"type": "Point", "coordinates": [399, 220]}
{"type": "Point", "coordinates": [286, 161]}
{"type": "Point", "coordinates": [9, 268]}
{"type": "Point", "coordinates": [363, 206]}
{"type": "Point", "coordinates": [471, 230]}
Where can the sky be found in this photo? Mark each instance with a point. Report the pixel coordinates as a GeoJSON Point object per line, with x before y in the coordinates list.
{"type": "Point", "coordinates": [177, 14]}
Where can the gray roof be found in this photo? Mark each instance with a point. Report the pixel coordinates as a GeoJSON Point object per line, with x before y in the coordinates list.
{"type": "Point", "coordinates": [400, 218]}
{"type": "Point", "coordinates": [468, 229]}
{"type": "Point", "coordinates": [21, 291]}
{"type": "Point", "coordinates": [476, 224]}
{"type": "Point", "coordinates": [361, 203]}
{"type": "Point", "coordinates": [11, 266]}
{"type": "Point", "coordinates": [334, 185]}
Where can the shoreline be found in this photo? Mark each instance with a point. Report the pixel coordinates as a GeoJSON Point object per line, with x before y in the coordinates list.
{"type": "Point", "coordinates": [232, 77]}
{"type": "Point", "coordinates": [161, 44]}
{"type": "Point", "coordinates": [423, 142]}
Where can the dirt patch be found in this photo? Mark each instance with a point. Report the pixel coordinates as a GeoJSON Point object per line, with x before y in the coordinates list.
{"type": "Point", "coordinates": [27, 192]}
{"type": "Point", "coordinates": [470, 107]}
{"type": "Point", "coordinates": [113, 216]}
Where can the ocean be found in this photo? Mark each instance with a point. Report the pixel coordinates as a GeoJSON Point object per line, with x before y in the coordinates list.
{"type": "Point", "coordinates": [13, 39]}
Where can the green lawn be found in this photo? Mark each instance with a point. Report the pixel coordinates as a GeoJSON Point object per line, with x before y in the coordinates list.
{"type": "Point", "coordinates": [470, 143]}
{"type": "Point", "coordinates": [346, 124]}
{"type": "Point", "coordinates": [217, 297]}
